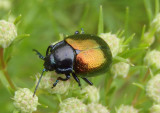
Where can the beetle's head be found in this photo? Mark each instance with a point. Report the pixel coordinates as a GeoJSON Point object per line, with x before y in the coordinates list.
{"type": "Point", "coordinates": [49, 62]}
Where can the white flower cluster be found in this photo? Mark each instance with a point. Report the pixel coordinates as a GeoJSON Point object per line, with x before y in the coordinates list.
{"type": "Point", "coordinates": [156, 23]}
{"type": "Point", "coordinates": [155, 108]}
{"type": "Point", "coordinates": [152, 58]}
{"type": "Point", "coordinates": [120, 69]}
{"type": "Point", "coordinates": [5, 4]}
{"type": "Point", "coordinates": [113, 41]}
{"type": "Point", "coordinates": [74, 105]}
{"type": "Point", "coordinates": [91, 94]}
{"type": "Point", "coordinates": [153, 89]}
{"type": "Point", "coordinates": [47, 83]}
{"type": "Point", "coordinates": [24, 100]}
{"type": "Point", "coordinates": [126, 109]}
{"type": "Point", "coordinates": [97, 108]}
{"type": "Point", "coordinates": [8, 33]}
{"type": "Point", "coordinates": [148, 39]}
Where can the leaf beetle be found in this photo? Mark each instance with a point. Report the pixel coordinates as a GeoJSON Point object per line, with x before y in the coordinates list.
{"type": "Point", "coordinates": [80, 55]}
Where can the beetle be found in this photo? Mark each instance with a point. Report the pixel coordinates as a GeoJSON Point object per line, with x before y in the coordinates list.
{"type": "Point", "coordinates": [80, 55]}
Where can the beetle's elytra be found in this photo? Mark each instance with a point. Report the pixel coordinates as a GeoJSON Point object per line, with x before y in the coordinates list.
{"type": "Point", "coordinates": [82, 55]}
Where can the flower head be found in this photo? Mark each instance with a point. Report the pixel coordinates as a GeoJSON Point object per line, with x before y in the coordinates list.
{"type": "Point", "coordinates": [120, 69]}
{"type": "Point", "coordinates": [72, 105]}
{"type": "Point", "coordinates": [5, 4]}
{"type": "Point", "coordinates": [113, 41]}
{"type": "Point", "coordinates": [152, 58]}
{"type": "Point", "coordinates": [91, 94]}
{"type": "Point", "coordinates": [155, 108]}
{"type": "Point", "coordinates": [126, 109]}
{"type": "Point", "coordinates": [8, 33]}
{"type": "Point", "coordinates": [24, 100]}
{"type": "Point", "coordinates": [153, 89]}
{"type": "Point", "coordinates": [47, 83]}
{"type": "Point", "coordinates": [148, 39]}
{"type": "Point", "coordinates": [96, 108]}
{"type": "Point", "coordinates": [156, 23]}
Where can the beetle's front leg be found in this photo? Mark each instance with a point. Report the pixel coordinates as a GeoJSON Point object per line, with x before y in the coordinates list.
{"type": "Point", "coordinates": [77, 79]}
{"type": "Point", "coordinates": [49, 48]}
{"type": "Point", "coordinates": [39, 54]}
{"type": "Point", "coordinates": [62, 79]}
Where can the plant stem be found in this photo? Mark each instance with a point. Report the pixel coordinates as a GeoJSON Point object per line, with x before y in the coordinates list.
{"type": "Point", "coordinates": [139, 90]}
{"type": "Point", "coordinates": [4, 69]}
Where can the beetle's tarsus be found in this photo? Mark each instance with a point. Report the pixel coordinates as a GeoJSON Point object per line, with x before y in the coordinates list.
{"type": "Point", "coordinates": [62, 79]}
{"type": "Point", "coordinates": [86, 80]}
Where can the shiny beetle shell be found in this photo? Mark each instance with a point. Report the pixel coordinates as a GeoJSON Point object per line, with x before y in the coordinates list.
{"type": "Point", "coordinates": [93, 55]}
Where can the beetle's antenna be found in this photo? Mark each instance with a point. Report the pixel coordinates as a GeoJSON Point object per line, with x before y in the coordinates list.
{"type": "Point", "coordinates": [38, 82]}
{"type": "Point", "coordinates": [39, 54]}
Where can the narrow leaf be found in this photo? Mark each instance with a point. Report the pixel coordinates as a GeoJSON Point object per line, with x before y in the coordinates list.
{"type": "Point", "coordinates": [17, 19]}
{"type": "Point", "coordinates": [138, 85]}
{"type": "Point", "coordinates": [100, 24]}
{"type": "Point", "coordinates": [129, 39]}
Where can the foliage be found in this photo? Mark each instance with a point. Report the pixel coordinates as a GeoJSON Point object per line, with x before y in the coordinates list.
{"type": "Point", "coordinates": [40, 23]}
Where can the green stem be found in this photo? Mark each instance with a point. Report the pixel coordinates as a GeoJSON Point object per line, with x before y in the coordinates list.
{"type": "Point", "coordinates": [4, 69]}
{"type": "Point", "coordinates": [139, 90]}
{"type": "Point", "coordinates": [156, 7]}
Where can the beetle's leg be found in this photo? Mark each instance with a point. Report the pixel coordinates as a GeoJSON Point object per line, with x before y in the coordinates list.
{"type": "Point", "coordinates": [77, 79]}
{"type": "Point", "coordinates": [49, 47]}
{"type": "Point", "coordinates": [82, 31]}
{"type": "Point", "coordinates": [86, 80]}
{"type": "Point", "coordinates": [39, 54]}
{"type": "Point", "coordinates": [62, 79]}
{"type": "Point", "coordinates": [76, 32]}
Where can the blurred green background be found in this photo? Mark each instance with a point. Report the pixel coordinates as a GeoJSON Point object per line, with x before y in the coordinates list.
{"type": "Point", "coordinates": [44, 20]}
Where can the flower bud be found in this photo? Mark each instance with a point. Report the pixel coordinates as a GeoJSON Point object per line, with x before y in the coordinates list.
{"type": "Point", "coordinates": [8, 33]}
{"type": "Point", "coordinates": [24, 100]}
{"type": "Point", "coordinates": [126, 109]}
{"type": "Point", "coordinates": [91, 94]}
{"type": "Point", "coordinates": [155, 24]}
{"type": "Point", "coordinates": [155, 108]}
{"type": "Point", "coordinates": [48, 80]}
{"type": "Point", "coordinates": [96, 108]}
{"type": "Point", "coordinates": [148, 39]}
{"type": "Point", "coordinates": [113, 42]}
{"type": "Point", "coordinates": [72, 105]}
{"type": "Point", "coordinates": [152, 88]}
{"type": "Point", "coordinates": [120, 69]}
{"type": "Point", "coordinates": [5, 4]}
{"type": "Point", "coordinates": [152, 59]}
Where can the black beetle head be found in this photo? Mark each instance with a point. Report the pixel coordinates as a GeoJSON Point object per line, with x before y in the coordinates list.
{"type": "Point", "coordinates": [49, 63]}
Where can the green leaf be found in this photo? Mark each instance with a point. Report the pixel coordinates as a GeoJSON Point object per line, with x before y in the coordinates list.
{"type": "Point", "coordinates": [129, 39]}
{"type": "Point", "coordinates": [143, 30]}
{"type": "Point", "coordinates": [8, 53]}
{"type": "Point", "coordinates": [156, 7]}
{"type": "Point", "coordinates": [126, 21]}
{"type": "Point", "coordinates": [100, 24]}
{"type": "Point", "coordinates": [147, 5]}
{"type": "Point", "coordinates": [111, 91]}
{"type": "Point", "coordinates": [19, 38]}
{"type": "Point", "coordinates": [134, 68]}
{"type": "Point", "coordinates": [120, 59]}
{"type": "Point", "coordinates": [120, 34]}
{"type": "Point", "coordinates": [17, 19]}
{"type": "Point", "coordinates": [132, 52]}
{"type": "Point", "coordinates": [138, 85]}
{"type": "Point", "coordinates": [16, 111]}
